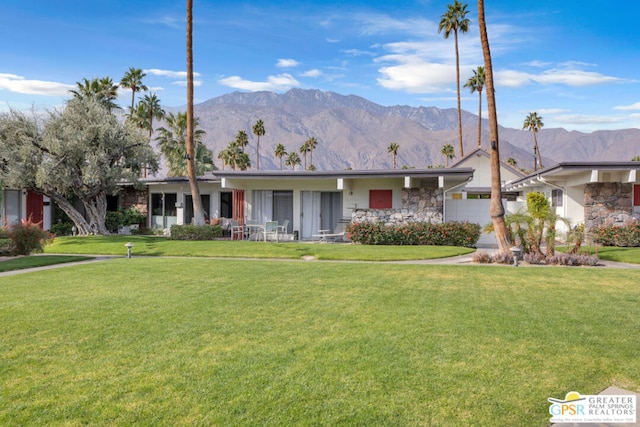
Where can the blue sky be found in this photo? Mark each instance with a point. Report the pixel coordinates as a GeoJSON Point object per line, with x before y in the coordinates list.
{"type": "Point", "coordinates": [574, 62]}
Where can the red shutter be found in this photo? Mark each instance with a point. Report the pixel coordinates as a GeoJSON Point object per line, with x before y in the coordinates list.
{"type": "Point", "coordinates": [35, 210]}
{"type": "Point", "coordinates": [636, 195]}
{"type": "Point", "coordinates": [380, 199]}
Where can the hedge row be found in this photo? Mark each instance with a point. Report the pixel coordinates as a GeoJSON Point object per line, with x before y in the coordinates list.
{"type": "Point", "coordinates": [415, 233]}
{"type": "Point", "coordinates": [625, 236]}
{"type": "Point", "coordinates": [195, 232]}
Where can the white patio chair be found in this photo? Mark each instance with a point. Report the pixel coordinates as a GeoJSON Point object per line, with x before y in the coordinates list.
{"type": "Point", "coordinates": [271, 229]}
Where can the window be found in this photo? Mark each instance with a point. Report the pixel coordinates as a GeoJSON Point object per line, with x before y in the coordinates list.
{"type": "Point", "coordinates": [380, 199]}
{"type": "Point", "coordinates": [556, 198]}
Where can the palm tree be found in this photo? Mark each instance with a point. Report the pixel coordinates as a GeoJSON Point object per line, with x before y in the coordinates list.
{"type": "Point", "coordinates": [496, 209]}
{"type": "Point", "coordinates": [454, 20]}
{"type": "Point", "coordinates": [393, 149]}
{"type": "Point", "coordinates": [292, 160]}
{"type": "Point", "coordinates": [150, 106]}
{"type": "Point", "coordinates": [512, 162]}
{"type": "Point", "coordinates": [242, 139]}
{"type": "Point", "coordinates": [448, 152]}
{"type": "Point", "coordinates": [172, 141]}
{"type": "Point", "coordinates": [132, 79]}
{"type": "Point", "coordinates": [198, 211]}
{"type": "Point", "coordinates": [476, 84]}
{"type": "Point", "coordinates": [533, 122]}
{"type": "Point", "coordinates": [103, 89]}
{"type": "Point", "coordinates": [258, 130]}
{"type": "Point", "coordinates": [304, 149]}
{"type": "Point", "coordinates": [311, 143]}
{"type": "Point", "coordinates": [280, 152]}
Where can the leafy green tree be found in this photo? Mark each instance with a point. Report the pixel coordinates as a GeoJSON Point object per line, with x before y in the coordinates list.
{"type": "Point", "coordinates": [258, 130]}
{"type": "Point", "coordinates": [292, 160]}
{"type": "Point", "coordinates": [82, 152]}
{"type": "Point", "coordinates": [533, 123]}
{"type": "Point", "coordinates": [101, 89]}
{"type": "Point", "coordinates": [132, 79]}
{"type": "Point", "coordinates": [455, 20]}
{"type": "Point", "coordinates": [280, 152]}
{"type": "Point", "coordinates": [448, 152]}
{"type": "Point", "coordinates": [476, 84]}
{"type": "Point", "coordinates": [172, 141]}
{"type": "Point", "coordinates": [393, 149]}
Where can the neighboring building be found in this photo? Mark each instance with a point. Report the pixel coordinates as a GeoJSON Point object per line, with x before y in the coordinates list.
{"type": "Point", "coordinates": [21, 205]}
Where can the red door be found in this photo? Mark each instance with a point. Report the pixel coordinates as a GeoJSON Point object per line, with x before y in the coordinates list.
{"type": "Point", "coordinates": [35, 209]}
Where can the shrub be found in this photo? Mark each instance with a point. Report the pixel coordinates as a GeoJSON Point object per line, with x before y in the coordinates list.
{"type": "Point", "coordinates": [482, 258]}
{"type": "Point", "coordinates": [7, 247]}
{"type": "Point", "coordinates": [415, 233]}
{"type": "Point", "coordinates": [624, 236]}
{"type": "Point", "coordinates": [61, 228]}
{"type": "Point", "coordinates": [115, 220]}
{"type": "Point", "coordinates": [534, 258]}
{"type": "Point", "coordinates": [572, 260]}
{"type": "Point", "coordinates": [28, 237]}
{"type": "Point", "coordinates": [194, 232]}
{"type": "Point", "coordinates": [5, 233]}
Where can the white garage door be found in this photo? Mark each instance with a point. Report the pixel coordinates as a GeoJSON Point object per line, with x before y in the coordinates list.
{"type": "Point", "coordinates": [472, 210]}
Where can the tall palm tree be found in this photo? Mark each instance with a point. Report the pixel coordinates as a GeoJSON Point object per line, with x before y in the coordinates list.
{"type": "Point", "coordinates": [132, 79]}
{"type": "Point", "coordinates": [242, 139]}
{"type": "Point", "coordinates": [448, 152]}
{"type": "Point", "coordinates": [311, 143]}
{"type": "Point", "coordinates": [280, 152]}
{"type": "Point", "coordinates": [292, 160]}
{"type": "Point", "coordinates": [258, 130]}
{"type": "Point", "coordinates": [476, 84]}
{"type": "Point", "coordinates": [533, 123]}
{"type": "Point", "coordinates": [103, 89]}
{"type": "Point", "coordinates": [455, 20]}
{"type": "Point", "coordinates": [304, 149]}
{"type": "Point", "coordinates": [393, 149]}
{"type": "Point", "coordinates": [172, 141]}
{"type": "Point", "coordinates": [198, 211]}
{"type": "Point", "coordinates": [150, 105]}
{"type": "Point", "coordinates": [496, 209]}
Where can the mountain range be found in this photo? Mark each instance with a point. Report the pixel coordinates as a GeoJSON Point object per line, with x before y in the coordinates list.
{"type": "Point", "coordinates": [354, 133]}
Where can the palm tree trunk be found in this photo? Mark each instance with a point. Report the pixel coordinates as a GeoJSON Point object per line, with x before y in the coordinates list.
{"type": "Point", "coordinates": [198, 211]}
{"type": "Point", "coordinates": [455, 32]}
{"type": "Point", "coordinates": [496, 209]}
{"type": "Point", "coordinates": [258, 154]}
{"type": "Point", "coordinates": [535, 141]}
{"type": "Point", "coordinates": [479, 118]}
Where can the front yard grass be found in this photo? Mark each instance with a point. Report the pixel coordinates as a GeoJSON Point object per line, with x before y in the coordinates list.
{"type": "Point", "coordinates": [162, 246]}
{"type": "Point", "coordinates": [191, 341]}
{"type": "Point", "coordinates": [21, 263]}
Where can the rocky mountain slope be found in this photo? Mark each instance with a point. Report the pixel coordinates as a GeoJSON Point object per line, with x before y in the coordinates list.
{"type": "Point", "coordinates": [353, 132]}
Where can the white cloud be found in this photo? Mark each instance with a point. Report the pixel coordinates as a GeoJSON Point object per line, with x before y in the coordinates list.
{"type": "Point", "coordinates": [552, 111]}
{"type": "Point", "coordinates": [415, 75]}
{"type": "Point", "coordinates": [312, 73]}
{"type": "Point", "coordinates": [18, 84]}
{"type": "Point", "coordinates": [567, 77]}
{"type": "Point", "coordinates": [274, 83]}
{"type": "Point", "coordinates": [196, 83]}
{"type": "Point", "coordinates": [635, 106]}
{"type": "Point", "coordinates": [169, 73]}
{"type": "Point", "coordinates": [287, 63]}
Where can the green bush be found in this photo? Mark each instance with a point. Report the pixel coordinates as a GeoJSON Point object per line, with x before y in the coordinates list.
{"type": "Point", "coordinates": [415, 233]}
{"type": "Point", "coordinates": [194, 232]}
{"type": "Point", "coordinates": [624, 236]}
{"type": "Point", "coordinates": [28, 237]}
{"type": "Point", "coordinates": [115, 220]}
{"type": "Point", "coordinates": [5, 233]}
{"type": "Point", "coordinates": [7, 247]}
{"type": "Point", "coordinates": [61, 228]}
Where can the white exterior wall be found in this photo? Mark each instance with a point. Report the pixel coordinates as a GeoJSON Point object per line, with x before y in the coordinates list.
{"type": "Point", "coordinates": [356, 192]}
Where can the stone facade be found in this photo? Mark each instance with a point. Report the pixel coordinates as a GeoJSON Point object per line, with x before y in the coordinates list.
{"type": "Point", "coordinates": [609, 203]}
{"type": "Point", "coordinates": [137, 198]}
{"type": "Point", "coordinates": [418, 205]}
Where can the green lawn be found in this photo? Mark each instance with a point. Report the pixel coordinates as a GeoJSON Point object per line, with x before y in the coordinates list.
{"type": "Point", "coordinates": [161, 246]}
{"type": "Point", "coordinates": [192, 341]}
{"type": "Point", "coordinates": [21, 263]}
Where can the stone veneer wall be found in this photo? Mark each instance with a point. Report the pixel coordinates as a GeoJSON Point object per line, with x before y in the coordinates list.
{"type": "Point", "coordinates": [137, 198]}
{"type": "Point", "coordinates": [608, 203]}
{"type": "Point", "coordinates": [418, 205]}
